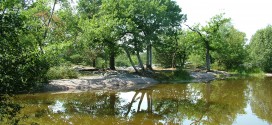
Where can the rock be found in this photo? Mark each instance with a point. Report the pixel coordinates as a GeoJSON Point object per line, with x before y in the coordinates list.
{"type": "Point", "coordinates": [112, 81]}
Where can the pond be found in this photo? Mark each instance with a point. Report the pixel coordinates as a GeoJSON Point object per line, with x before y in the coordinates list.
{"type": "Point", "coordinates": [246, 101]}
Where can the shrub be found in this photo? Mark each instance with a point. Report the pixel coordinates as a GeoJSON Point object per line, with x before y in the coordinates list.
{"type": "Point", "coordinates": [176, 75]}
{"type": "Point", "coordinates": [180, 74]}
{"type": "Point", "coordinates": [76, 59]}
{"type": "Point", "coordinates": [196, 60]}
{"type": "Point", "coordinates": [22, 73]}
{"type": "Point", "coordinates": [61, 72]}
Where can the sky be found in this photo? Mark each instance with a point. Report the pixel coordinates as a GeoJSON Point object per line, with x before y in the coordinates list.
{"type": "Point", "coordinates": [247, 15]}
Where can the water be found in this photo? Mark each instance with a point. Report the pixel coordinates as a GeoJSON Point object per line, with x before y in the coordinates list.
{"type": "Point", "coordinates": [239, 102]}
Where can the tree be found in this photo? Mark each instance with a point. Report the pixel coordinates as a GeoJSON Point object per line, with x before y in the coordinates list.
{"type": "Point", "coordinates": [230, 53]}
{"type": "Point", "coordinates": [22, 67]}
{"type": "Point", "coordinates": [260, 49]}
{"type": "Point", "coordinates": [145, 21]}
{"type": "Point", "coordinates": [160, 18]}
{"type": "Point", "coordinates": [209, 35]}
{"type": "Point", "coordinates": [88, 8]}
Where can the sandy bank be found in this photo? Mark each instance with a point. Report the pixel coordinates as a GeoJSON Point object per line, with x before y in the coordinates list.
{"type": "Point", "coordinates": [122, 80]}
{"type": "Point", "coordinates": [114, 81]}
{"type": "Point", "coordinates": [208, 76]}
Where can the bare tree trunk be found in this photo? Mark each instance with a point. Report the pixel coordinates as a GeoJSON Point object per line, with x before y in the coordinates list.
{"type": "Point", "coordinates": [149, 57]}
{"type": "Point", "coordinates": [130, 60]}
{"type": "Point", "coordinates": [173, 60]}
{"type": "Point", "coordinates": [208, 57]}
{"type": "Point", "coordinates": [47, 26]}
{"type": "Point", "coordinates": [112, 59]}
{"type": "Point", "coordinates": [140, 60]}
{"type": "Point", "coordinates": [94, 62]}
{"type": "Point", "coordinates": [207, 46]}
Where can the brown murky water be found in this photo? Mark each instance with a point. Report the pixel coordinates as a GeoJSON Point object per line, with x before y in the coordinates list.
{"type": "Point", "coordinates": [242, 102]}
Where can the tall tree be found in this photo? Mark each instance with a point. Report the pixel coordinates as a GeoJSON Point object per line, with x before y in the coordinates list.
{"type": "Point", "coordinates": [230, 52]}
{"type": "Point", "coordinates": [145, 21]}
{"type": "Point", "coordinates": [260, 49]}
{"type": "Point", "coordinates": [22, 67]}
{"type": "Point", "coordinates": [209, 35]}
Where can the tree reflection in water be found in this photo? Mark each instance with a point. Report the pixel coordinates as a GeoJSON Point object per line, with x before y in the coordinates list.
{"type": "Point", "coordinates": [261, 101]}
{"type": "Point", "coordinates": [218, 102]}
{"type": "Point", "coordinates": [8, 110]}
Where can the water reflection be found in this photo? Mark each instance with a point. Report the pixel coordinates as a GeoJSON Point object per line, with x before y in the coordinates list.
{"type": "Point", "coordinates": [58, 107]}
{"type": "Point", "coordinates": [219, 102]}
{"type": "Point", "coordinates": [261, 101]}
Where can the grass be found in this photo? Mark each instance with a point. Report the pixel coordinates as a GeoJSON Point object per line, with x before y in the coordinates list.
{"type": "Point", "coordinates": [61, 72]}
{"type": "Point", "coordinates": [173, 75]}
{"type": "Point", "coordinates": [251, 73]}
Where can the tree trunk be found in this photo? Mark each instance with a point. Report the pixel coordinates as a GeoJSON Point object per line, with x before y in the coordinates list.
{"type": "Point", "coordinates": [112, 59]}
{"type": "Point", "coordinates": [149, 57]}
{"type": "Point", "coordinates": [183, 60]}
{"type": "Point", "coordinates": [130, 60]}
{"type": "Point", "coordinates": [140, 60]}
{"type": "Point", "coordinates": [94, 62]}
{"type": "Point", "coordinates": [47, 26]}
{"type": "Point", "coordinates": [173, 64]}
{"type": "Point", "coordinates": [208, 58]}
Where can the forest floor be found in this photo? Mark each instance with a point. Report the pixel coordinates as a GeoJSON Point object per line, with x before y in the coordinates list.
{"type": "Point", "coordinates": [122, 79]}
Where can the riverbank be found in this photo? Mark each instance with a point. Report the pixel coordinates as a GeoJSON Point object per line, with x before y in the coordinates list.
{"type": "Point", "coordinates": [123, 80]}
{"type": "Point", "coordinates": [113, 80]}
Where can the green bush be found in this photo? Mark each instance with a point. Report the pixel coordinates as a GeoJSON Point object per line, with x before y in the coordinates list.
{"type": "Point", "coordinates": [196, 60]}
{"type": "Point", "coordinates": [216, 66]}
{"type": "Point", "coordinates": [61, 72]}
{"type": "Point", "coordinates": [180, 74]}
{"type": "Point", "coordinates": [22, 66]}
{"type": "Point", "coordinates": [76, 59]}
{"type": "Point", "coordinates": [22, 72]}
{"type": "Point", "coordinates": [177, 75]}
{"type": "Point", "coordinates": [122, 60]}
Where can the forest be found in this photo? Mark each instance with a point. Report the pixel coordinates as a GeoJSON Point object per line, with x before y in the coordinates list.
{"type": "Point", "coordinates": [39, 38]}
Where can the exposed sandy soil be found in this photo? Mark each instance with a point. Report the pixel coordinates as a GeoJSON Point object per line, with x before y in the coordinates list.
{"type": "Point", "coordinates": [114, 81]}
{"type": "Point", "coordinates": [208, 76]}
{"type": "Point", "coordinates": [120, 80]}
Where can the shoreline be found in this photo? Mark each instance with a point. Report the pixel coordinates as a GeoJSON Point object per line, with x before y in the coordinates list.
{"type": "Point", "coordinates": [122, 80]}
{"type": "Point", "coordinates": [117, 82]}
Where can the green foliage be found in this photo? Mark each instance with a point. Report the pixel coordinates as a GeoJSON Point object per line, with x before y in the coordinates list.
{"type": "Point", "coordinates": [58, 53]}
{"type": "Point", "coordinates": [76, 59]}
{"type": "Point", "coordinates": [173, 75]}
{"type": "Point", "coordinates": [22, 66]}
{"type": "Point", "coordinates": [172, 51]}
{"type": "Point", "coordinates": [62, 72]}
{"type": "Point", "coordinates": [224, 45]}
{"type": "Point", "coordinates": [260, 49]}
{"type": "Point", "coordinates": [181, 74]}
{"type": "Point", "coordinates": [230, 53]}
{"type": "Point", "coordinates": [196, 60]}
{"type": "Point", "coordinates": [122, 61]}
